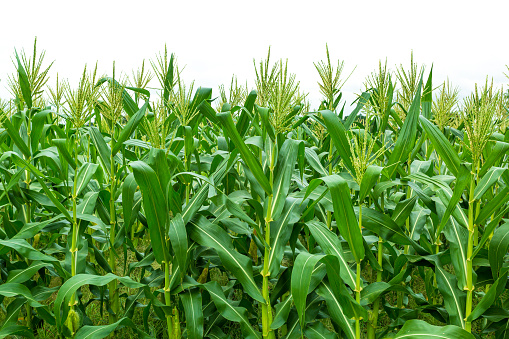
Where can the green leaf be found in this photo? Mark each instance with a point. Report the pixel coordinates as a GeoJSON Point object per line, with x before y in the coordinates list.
{"type": "Point", "coordinates": [245, 116]}
{"type": "Point", "coordinates": [192, 302]}
{"type": "Point", "coordinates": [207, 234]}
{"type": "Point", "coordinates": [12, 312]}
{"type": "Point", "coordinates": [363, 99]}
{"type": "Point", "coordinates": [280, 232]}
{"type": "Point", "coordinates": [24, 83]}
{"type": "Point", "coordinates": [178, 238]}
{"type": "Point", "coordinates": [301, 278]}
{"type": "Point", "coordinates": [156, 209]}
{"type": "Point", "coordinates": [491, 206]}
{"type": "Point", "coordinates": [25, 249]}
{"type": "Point", "coordinates": [403, 210]}
{"type": "Point", "coordinates": [407, 134]}
{"type": "Point", "coordinates": [129, 128]}
{"type": "Point", "coordinates": [99, 332]}
{"type": "Point", "coordinates": [39, 176]}
{"type": "Point", "coordinates": [128, 192]}
{"type": "Point", "coordinates": [61, 306]}
{"type": "Point", "coordinates": [16, 330]}
{"type": "Point", "coordinates": [201, 195]}
{"type": "Point", "coordinates": [487, 181]}
{"type": "Point", "coordinates": [427, 96]}
{"type": "Point", "coordinates": [102, 148]}
{"type": "Point", "coordinates": [454, 299]}
{"type": "Point", "coordinates": [31, 229]}
{"type": "Point", "coordinates": [22, 275]}
{"type": "Point", "coordinates": [64, 152]}
{"type": "Point", "coordinates": [458, 243]}
{"type": "Point", "coordinates": [318, 331]}
{"type": "Point", "coordinates": [282, 311]}
{"type": "Point", "coordinates": [230, 312]}
{"type": "Point", "coordinates": [488, 230]}
{"type": "Point", "coordinates": [207, 111]}
{"type": "Point", "coordinates": [14, 134]}
{"type": "Point", "coordinates": [339, 137]}
{"type": "Point", "coordinates": [345, 215]}
{"type": "Point", "coordinates": [336, 310]}
{"type": "Point", "coordinates": [489, 298]}
{"type": "Point", "coordinates": [462, 180]}
{"type": "Point", "coordinates": [497, 153]}
{"type": "Point", "coordinates": [442, 146]}
{"type": "Point", "coordinates": [314, 162]}
{"type": "Point", "coordinates": [384, 226]}
{"type": "Point", "coordinates": [499, 245]}
{"type": "Point", "coordinates": [419, 329]}
{"type": "Point", "coordinates": [85, 173]}
{"type": "Point", "coordinates": [38, 121]}
{"type": "Point", "coordinates": [284, 170]}
{"type": "Point", "coordinates": [369, 180]}
{"type": "Point", "coordinates": [330, 244]}
{"type": "Point", "coordinates": [11, 290]}
{"type": "Point", "coordinates": [374, 290]}
{"type": "Point", "coordinates": [251, 161]}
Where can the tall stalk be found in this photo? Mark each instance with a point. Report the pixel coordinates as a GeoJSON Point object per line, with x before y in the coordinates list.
{"type": "Point", "coordinates": [376, 306]}
{"type": "Point", "coordinates": [167, 299]}
{"type": "Point", "coordinates": [74, 244]}
{"type": "Point", "coordinates": [471, 231]}
{"type": "Point", "coordinates": [28, 212]}
{"type": "Point", "coordinates": [358, 287]}
{"type": "Point", "coordinates": [329, 213]}
{"type": "Point", "coordinates": [112, 286]}
{"type": "Point", "coordinates": [266, 308]}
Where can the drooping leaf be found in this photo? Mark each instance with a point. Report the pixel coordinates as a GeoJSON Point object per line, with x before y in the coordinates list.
{"type": "Point", "coordinates": [442, 146]}
{"type": "Point", "coordinates": [499, 245]}
{"type": "Point", "coordinates": [207, 234]}
{"type": "Point", "coordinates": [155, 208]}
{"type": "Point", "coordinates": [345, 215]}
{"type": "Point", "coordinates": [230, 312]}
{"type": "Point", "coordinates": [419, 329]}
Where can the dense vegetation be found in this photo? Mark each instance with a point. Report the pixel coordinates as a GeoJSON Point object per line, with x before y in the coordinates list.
{"type": "Point", "coordinates": [178, 212]}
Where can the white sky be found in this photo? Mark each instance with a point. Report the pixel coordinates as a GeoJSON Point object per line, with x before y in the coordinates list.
{"type": "Point", "coordinates": [465, 41]}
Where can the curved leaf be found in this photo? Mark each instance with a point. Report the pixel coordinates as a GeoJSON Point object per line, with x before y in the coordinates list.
{"type": "Point", "coordinates": [230, 312]}
{"type": "Point", "coordinates": [99, 332]}
{"type": "Point", "coordinates": [499, 245]}
{"type": "Point", "coordinates": [207, 234]}
{"type": "Point", "coordinates": [344, 214]}
{"type": "Point", "coordinates": [155, 207]}
{"type": "Point", "coordinates": [442, 146]}
{"type": "Point", "coordinates": [419, 329]}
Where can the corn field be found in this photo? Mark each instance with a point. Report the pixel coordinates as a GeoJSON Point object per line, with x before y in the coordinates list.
{"type": "Point", "coordinates": [144, 206]}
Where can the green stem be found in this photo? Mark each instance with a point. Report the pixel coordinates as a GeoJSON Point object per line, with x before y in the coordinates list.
{"type": "Point", "coordinates": [374, 317]}
{"type": "Point", "coordinates": [28, 212]}
{"type": "Point", "coordinates": [471, 230]}
{"type": "Point", "coordinates": [435, 283]}
{"type": "Point", "coordinates": [167, 299]}
{"type": "Point", "coordinates": [266, 308]}
{"type": "Point", "coordinates": [112, 286]}
{"type": "Point", "coordinates": [358, 287]}
{"type": "Point", "coordinates": [74, 245]}
{"type": "Point", "coordinates": [329, 214]}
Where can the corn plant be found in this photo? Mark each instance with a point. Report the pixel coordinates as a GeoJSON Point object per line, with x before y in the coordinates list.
{"type": "Point", "coordinates": [152, 207]}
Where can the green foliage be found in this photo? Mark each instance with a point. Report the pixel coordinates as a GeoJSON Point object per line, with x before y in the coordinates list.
{"type": "Point", "coordinates": [126, 211]}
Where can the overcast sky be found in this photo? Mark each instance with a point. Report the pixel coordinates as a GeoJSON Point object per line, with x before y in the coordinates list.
{"type": "Point", "coordinates": [465, 41]}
